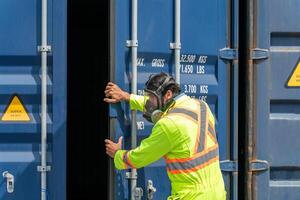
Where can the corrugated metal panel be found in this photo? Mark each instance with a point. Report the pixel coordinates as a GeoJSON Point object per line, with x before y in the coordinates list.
{"type": "Point", "coordinates": [204, 31]}
{"type": "Point", "coordinates": [20, 74]}
{"type": "Point", "coordinates": [278, 107]}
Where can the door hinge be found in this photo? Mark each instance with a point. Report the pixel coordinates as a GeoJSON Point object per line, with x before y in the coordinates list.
{"type": "Point", "coordinates": [233, 54]}
{"type": "Point", "coordinates": [229, 54]}
{"type": "Point", "coordinates": [9, 181]}
{"type": "Point", "coordinates": [259, 54]}
{"type": "Point", "coordinates": [229, 165]}
{"type": "Point", "coordinates": [258, 165]}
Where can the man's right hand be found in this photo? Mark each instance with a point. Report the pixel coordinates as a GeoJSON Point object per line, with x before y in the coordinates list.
{"type": "Point", "coordinates": [113, 94]}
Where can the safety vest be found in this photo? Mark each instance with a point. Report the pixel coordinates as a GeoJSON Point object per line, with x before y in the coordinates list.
{"type": "Point", "coordinates": [203, 155]}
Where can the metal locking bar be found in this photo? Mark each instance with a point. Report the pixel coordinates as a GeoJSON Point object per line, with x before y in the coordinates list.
{"type": "Point", "coordinates": [133, 44]}
{"type": "Point", "coordinates": [44, 49]}
{"type": "Point", "coordinates": [176, 46]}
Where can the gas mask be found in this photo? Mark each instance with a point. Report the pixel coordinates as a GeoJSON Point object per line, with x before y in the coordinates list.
{"type": "Point", "coordinates": [154, 105]}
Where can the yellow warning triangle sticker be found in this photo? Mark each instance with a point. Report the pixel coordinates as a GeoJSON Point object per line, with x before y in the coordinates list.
{"type": "Point", "coordinates": [294, 80]}
{"type": "Point", "coordinates": [15, 111]}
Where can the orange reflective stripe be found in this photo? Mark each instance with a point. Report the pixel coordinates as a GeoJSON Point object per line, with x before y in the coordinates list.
{"type": "Point", "coordinates": [184, 116]}
{"type": "Point", "coordinates": [215, 159]}
{"type": "Point", "coordinates": [211, 132]}
{"type": "Point", "coordinates": [191, 158]}
{"type": "Point", "coordinates": [211, 129]}
{"type": "Point", "coordinates": [194, 164]}
{"type": "Point", "coordinates": [186, 113]}
{"type": "Point", "coordinates": [212, 137]}
{"type": "Point", "coordinates": [198, 128]}
{"type": "Point", "coordinates": [127, 161]}
{"type": "Point", "coordinates": [203, 126]}
{"type": "Point", "coordinates": [206, 126]}
{"type": "Point", "coordinates": [126, 166]}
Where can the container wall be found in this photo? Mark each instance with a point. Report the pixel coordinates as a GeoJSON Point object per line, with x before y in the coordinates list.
{"type": "Point", "coordinates": [204, 31]}
{"type": "Point", "coordinates": [278, 104]}
{"type": "Point", "coordinates": [20, 76]}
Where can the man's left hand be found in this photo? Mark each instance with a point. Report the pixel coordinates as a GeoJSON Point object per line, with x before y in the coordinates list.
{"type": "Point", "coordinates": [112, 148]}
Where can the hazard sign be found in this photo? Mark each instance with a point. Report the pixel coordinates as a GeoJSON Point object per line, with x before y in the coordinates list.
{"type": "Point", "coordinates": [15, 111]}
{"type": "Point", "coordinates": [294, 79]}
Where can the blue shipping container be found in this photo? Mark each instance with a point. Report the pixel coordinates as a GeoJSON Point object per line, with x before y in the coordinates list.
{"type": "Point", "coordinates": [277, 102]}
{"type": "Point", "coordinates": [205, 30]}
{"type": "Point", "coordinates": [20, 74]}
{"type": "Point", "coordinates": [100, 43]}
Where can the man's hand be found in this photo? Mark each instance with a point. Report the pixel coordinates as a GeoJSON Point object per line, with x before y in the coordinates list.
{"type": "Point", "coordinates": [112, 148]}
{"type": "Point", "coordinates": [113, 94]}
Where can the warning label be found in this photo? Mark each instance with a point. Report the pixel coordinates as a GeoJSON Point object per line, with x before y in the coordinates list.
{"type": "Point", "coordinates": [294, 80]}
{"type": "Point", "coordinates": [15, 111]}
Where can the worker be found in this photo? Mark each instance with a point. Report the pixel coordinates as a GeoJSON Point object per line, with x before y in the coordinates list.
{"type": "Point", "coordinates": [183, 134]}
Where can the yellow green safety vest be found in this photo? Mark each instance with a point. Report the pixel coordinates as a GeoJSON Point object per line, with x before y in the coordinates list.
{"type": "Point", "coordinates": [185, 137]}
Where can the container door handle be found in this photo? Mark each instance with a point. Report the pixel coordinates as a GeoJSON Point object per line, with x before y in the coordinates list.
{"type": "Point", "coordinates": [150, 190]}
{"type": "Point", "coordinates": [9, 181]}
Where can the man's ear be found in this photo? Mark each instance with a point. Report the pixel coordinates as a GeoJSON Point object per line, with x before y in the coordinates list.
{"type": "Point", "coordinates": [168, 95]}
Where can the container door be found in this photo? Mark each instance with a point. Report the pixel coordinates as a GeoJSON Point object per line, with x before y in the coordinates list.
{"type": "Point", "coordinates": [20, 94]}
{"type": "Point", "coordinates": [278, 100]}
{"type": "Point", "coordinates": [205, 29]}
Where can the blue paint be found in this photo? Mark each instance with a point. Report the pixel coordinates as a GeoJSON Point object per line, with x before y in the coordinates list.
{"type": "Point", "coordinates": [20, 74]}
{"type": "Point", "coordinates": [277, 118]}
{"type": "Point", "coordinates": [204, 31]}
{"type": "Point", "coordinates": [203, 74]}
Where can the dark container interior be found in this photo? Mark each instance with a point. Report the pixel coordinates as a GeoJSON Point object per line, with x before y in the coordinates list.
{"type": "Point", "coordinates": [88, 72]}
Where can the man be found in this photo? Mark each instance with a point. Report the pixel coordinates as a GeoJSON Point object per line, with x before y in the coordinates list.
{"type": "Point", "coordinates": [183, 134]}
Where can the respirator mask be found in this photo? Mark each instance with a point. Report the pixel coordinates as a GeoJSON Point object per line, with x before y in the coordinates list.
{"type": "Point", "coordinates": [154, 105]}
